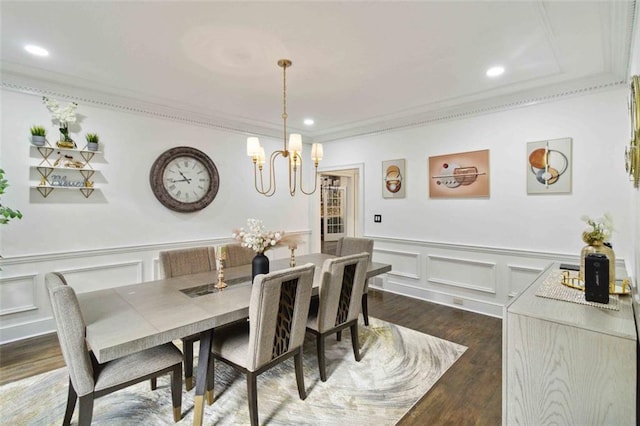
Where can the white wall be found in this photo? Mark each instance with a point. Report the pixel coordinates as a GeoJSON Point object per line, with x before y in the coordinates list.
{"type": "Point", "coordinates": [113, 237]}
{"type": "Point", "coordinates": [474, 249]}
{"type": "Point", "coordinates": [125, 212]}
{"type": "Point", "coordinates": [473, 253]}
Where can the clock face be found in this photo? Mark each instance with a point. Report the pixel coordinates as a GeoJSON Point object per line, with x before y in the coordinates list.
{"type": "Point", "coordinates": [184, 179]}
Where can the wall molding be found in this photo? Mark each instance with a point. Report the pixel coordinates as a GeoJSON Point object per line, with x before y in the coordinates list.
{"type": "Point", "coordinates": [128, 249]}
{"type": "Point", "coordinates": [490, 266]}
{"type": "Point", "coordinates": [31, 279]}
{"type": "Point", "coordinates": [408, 254]}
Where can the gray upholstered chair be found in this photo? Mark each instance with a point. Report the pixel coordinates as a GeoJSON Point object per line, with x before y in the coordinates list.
{"type": "Point", "coordinates": [275, 331]}
{"type": "Point", "coordinates": [338, 304]}
{"type": "Point", "coordinates": [350, 245]}
{"type": "Point", "coordinates": [179, 262]}
{"type": "Point", "coordinates": [87, 378]}
{"type": "Point", "coordinates": [238, 255]}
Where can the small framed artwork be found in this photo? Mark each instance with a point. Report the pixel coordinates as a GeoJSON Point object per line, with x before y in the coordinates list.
{"type": "Point", "coordinates": [549, 166]}
{"type": "Point", "coordinates": [393, 179]}
{"type": "Point", "coordinates": [465, 174]}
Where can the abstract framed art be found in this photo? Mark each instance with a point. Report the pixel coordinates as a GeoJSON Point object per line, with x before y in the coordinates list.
{"type": "Point", "coordinates": [461, 175]}
{"type": "Point", "coordinates": [393, 179]}
{"type": "Point", "coordinates": [549, 166]}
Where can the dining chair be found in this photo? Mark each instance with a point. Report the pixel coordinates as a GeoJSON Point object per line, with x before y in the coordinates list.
{"type": "Point", "coordinates": [351, 245]}
{"type": "Point", "coordinates": [275, 331]}
{"type": "Point", "coordinates": [238, 255]}
{"type": "Point", "coordinates": [338, 304]}
{"type": "Point", "coordinates": [89, 379]}
{"type": "Point", "coordinates": [188, 261]}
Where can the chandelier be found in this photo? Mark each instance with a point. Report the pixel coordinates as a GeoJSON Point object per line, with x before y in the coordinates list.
{"type": "Point", "coordinates": [291, 152]}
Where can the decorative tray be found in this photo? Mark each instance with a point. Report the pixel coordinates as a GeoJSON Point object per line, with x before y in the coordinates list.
{"type": "Point", "coordinates": [574, 280]}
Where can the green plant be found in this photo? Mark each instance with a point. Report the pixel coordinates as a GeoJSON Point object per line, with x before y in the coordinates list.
{"type": "Point", "coordinates": [92, 138]}
{"type": "Point", "coordinates": [6, 214]}
{"type": "Point", "coordinates": [38, 131]}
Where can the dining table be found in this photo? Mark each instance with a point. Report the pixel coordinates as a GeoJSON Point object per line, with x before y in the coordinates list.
{"type": "Point", "coordinates": [131, 318]}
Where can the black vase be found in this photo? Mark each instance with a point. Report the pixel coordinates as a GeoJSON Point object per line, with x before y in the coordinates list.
{"type": "Point", "coordinates": [259, 265]}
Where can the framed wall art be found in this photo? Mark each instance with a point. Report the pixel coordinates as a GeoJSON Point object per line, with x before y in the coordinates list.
{"type": "Point", "coordinates": [394, 183]}
{"type": "Point", "coordinates": [549, 166]}
{"type": "Point", "coordinates": [465, 174]}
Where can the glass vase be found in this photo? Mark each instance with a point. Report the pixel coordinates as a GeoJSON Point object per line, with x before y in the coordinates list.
{"type": "Point", "coordinates": [599, 247]}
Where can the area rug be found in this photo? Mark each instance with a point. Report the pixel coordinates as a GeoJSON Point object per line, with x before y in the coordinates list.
{"type": "Point", "coordinates": [398, 367]}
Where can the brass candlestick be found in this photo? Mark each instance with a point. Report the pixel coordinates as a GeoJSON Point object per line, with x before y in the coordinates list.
{"type": "Point", "coordinates": [222, 255]}
{"type": "Point", "coordinates": [292, 259]}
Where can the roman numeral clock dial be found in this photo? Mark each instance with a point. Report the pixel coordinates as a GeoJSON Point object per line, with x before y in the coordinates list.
{"type": "Point", "coordinates": [184, 179]}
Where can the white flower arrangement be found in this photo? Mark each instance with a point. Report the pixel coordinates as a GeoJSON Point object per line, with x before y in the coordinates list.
{"type": "Point", "coordinates": [257, 238]}
{"type": "Point", "coordinates": [65, 115]}
{"type": "Point", "coordinates": [600, 229]}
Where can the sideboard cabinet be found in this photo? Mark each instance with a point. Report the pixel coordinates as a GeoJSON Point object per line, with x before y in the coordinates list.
{"type": "Point", "coordinates": [566, 363]}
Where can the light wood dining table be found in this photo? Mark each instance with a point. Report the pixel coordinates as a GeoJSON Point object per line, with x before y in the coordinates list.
{"type": "Point", "coordinates": [127, 319]}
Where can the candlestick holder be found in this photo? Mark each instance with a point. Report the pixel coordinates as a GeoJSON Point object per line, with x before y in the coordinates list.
{"type": "Point", "coordinates": [221, 284]}
{"type": "Point", "coordinates": [292, 259]}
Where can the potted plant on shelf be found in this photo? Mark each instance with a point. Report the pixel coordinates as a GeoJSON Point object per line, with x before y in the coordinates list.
{"type": "Point", "coordinates": [38, 134]}
{"type": "Point", "coordinates": [92, 141]}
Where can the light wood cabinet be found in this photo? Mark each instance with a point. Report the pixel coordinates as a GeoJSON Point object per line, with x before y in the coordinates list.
{"type": "Point", "coordinates": [566, 363]}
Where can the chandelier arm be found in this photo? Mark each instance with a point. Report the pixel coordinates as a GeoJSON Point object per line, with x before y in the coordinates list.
{"type": "Point", "coordinates": [315, 177]}
{"type": "Point", "coordinates": [255, 177]}
{"type": "Point", "coordinates": [272, 174]}
{"type": "Point", "coordinates": [292, 176]}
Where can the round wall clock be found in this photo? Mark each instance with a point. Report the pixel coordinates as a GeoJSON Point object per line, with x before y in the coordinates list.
{"type": "Point", "coordinates": [184, 179]}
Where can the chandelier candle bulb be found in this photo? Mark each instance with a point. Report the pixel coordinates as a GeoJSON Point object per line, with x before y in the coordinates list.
{"type": "Point", "coordinates": [253, 146]}
{"type": "Point", "coordinates": [316, 152]}
{"type": "Point", "coordinates": [295, 143]}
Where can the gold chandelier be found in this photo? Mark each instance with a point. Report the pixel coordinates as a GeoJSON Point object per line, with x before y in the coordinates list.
{"type": "Point", "coordinates": [292, 152]}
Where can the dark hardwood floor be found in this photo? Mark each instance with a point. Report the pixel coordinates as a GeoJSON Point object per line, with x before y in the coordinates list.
{"type": "Point", "coordinates": [468, 394]}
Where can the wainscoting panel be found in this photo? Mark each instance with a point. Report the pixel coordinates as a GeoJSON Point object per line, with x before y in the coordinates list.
{"type": "Point", "coordinates": [24, 302]}
{"type": "Point", "coordinates": [474, 278]}
{"type": "Point", "coordinates": [520, 277]}
{"type": "Point", "coordinates": [99, 277]}
{"type": "Point", "coordinates": [405, 264]}
{"type": "Point", "coordinates": [464, 273]}
{"type": "Point", "coordinates": [18, 294]}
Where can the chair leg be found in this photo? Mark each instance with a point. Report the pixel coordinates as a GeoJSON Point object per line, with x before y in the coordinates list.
{"type": "Point", "coordinates": [154, 383]}
{"type": "Point", "coordinates": [321, 360]}
{"type": "Point", "coordinates": [354, 341]}
{"type": "Point", "coordinates": [210, 379]}
{"type": "Point", "coordinates": [252, 397]}
{"type": "Point", "coordinates": [365, 309]}
{"type": "Point", "coordinates": [187, 345]}
{"type": "Point", "coordinates": [86, 410]}
{"type": "Point", "coordinates": [176, 392]}
{"type": "Point", "coordinates": [300, 374]}
{"type": "Point", "coordinates": [72, 397]}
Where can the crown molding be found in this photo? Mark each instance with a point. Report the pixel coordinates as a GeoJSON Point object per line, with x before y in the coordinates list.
{"type": "Point", "coordinates": [33, 85]}
{"type": "Point", "coordinates": [442, 112]}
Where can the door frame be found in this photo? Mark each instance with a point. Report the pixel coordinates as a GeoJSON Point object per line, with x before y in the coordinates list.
{"type": "Point", "coordinates": [358, 186]}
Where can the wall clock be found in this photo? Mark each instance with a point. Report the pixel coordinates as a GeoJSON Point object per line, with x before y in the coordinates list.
{"type": "Point", "coordinates": [184, 179]}
{"type": "Point", "coordinates": [632, 153]}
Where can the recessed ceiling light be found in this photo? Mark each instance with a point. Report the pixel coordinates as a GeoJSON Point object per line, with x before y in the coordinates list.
{"type": "Point", "coordinates": [309, 121]}
{"type": "Point", "coordinates": [495, 71]}
{"type": "Point", "coordinates": [36, 50]}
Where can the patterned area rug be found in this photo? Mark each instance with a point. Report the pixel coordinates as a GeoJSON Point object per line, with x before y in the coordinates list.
{"type": "Point", "coordinates": [398, 367]}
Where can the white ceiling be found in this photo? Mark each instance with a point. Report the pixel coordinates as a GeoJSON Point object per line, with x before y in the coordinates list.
{"type": "Point", "coordinates": [358, 67]}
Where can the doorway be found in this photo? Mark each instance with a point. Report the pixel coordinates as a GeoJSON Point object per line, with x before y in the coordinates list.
{"type": "Point", "coordinates": [340, 200]}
